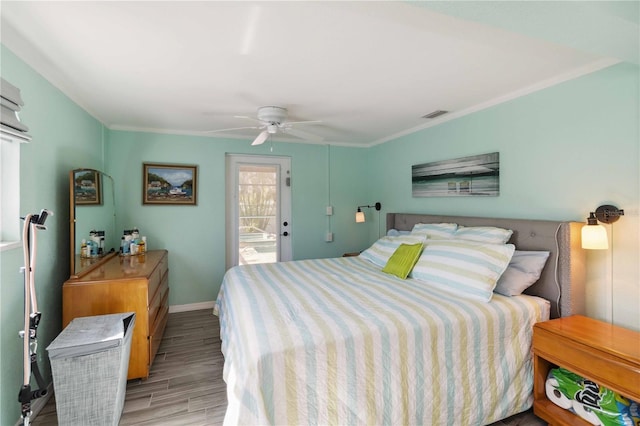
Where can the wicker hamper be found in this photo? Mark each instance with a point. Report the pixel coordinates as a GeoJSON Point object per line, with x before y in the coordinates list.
{"type": "Point", "coordinates": [89, 362]}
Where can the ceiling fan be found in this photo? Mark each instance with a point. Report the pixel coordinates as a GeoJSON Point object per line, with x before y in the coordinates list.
{"type": "Point", "coordinates": [273, 119]}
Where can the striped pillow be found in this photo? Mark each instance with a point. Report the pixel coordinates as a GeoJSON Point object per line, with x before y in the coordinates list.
{"type": "Point", "coordinates": [467, 268]}
{"type": "Point", "coordinates": [435, 230]}
{"type": "Point", "coordinates": [380, 252]}
{"type": "Point", "coordinates": [483, 234]}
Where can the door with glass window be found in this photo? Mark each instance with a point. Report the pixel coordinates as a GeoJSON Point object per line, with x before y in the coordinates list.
{"type": "Point", "coordinates": [258, 209]}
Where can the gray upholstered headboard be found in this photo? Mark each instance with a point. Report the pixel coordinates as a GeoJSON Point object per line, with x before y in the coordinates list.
{"type": "Point", "coordinates": [564, 269]}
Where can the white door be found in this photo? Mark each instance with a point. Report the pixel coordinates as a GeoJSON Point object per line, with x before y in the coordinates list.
{"type": "Point", "coordinates": [258, 209]}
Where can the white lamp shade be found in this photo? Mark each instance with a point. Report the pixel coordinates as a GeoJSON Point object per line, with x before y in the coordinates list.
{"type": "Point", "coordinates": [359, 217]}
{"type": "Point", "coordinates": [594, 237]}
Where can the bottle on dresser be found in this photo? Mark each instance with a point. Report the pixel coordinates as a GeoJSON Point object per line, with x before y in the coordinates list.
{"type": "Point", "coordinates": [142, 246]}
{"type": "Point", "coordinates": [125, 243]}
{"type": "Point", "coordinates": [84, 249]}
{"type": "Point", "coordinates": [135, 241]}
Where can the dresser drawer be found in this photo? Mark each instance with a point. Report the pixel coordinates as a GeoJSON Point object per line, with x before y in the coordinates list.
{"type": "Point", "coordinates": [157, 276]}
{"type": "Point", "coordinates": [156, 302]}
{"type": "Point", "coordinates": [156, 337]}
{"type": "Point", "coordinates": [154, 283]}
{"type": "Point", "coordinates": [164, 265]}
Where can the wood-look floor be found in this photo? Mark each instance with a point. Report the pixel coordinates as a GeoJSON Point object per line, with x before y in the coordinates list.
{"type": "Point", "coordinates": [185, 385]}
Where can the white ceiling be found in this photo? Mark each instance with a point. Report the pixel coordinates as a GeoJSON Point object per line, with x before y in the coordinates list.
{"type": "Point", "coordinates": [368, 70]}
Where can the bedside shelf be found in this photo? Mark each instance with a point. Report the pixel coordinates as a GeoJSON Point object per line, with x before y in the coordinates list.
{"type": "Point", "coordinates": [355, 253]}
{"type": "Point", "coordinates": [606, 354]}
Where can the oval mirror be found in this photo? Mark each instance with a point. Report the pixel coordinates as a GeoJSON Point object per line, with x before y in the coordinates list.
{"type": "Point", "coordinates": [92, 208]}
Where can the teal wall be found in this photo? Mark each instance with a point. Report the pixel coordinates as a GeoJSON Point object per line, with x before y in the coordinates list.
{"type": "Point", "coordinates": [563, 151]}
{"type": "Point", "coordinates": [195, 235]}
{"type": "Point", "coordinates": [64, 135]}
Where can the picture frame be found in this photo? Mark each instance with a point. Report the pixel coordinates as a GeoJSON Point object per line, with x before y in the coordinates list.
{"type": "Point", "coordinates": [169, 184]}
{"type": "Point", "coordinates": [87, 187]}
{"type": "Point", "coordinates": [477, 175]}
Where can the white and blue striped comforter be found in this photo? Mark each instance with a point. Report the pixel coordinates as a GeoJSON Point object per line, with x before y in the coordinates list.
{"type": "Point", "coordinates": [338, 342]}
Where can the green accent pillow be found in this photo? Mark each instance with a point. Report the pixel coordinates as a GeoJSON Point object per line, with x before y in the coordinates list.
{"type": "Point", "coordinates": [402, 260]}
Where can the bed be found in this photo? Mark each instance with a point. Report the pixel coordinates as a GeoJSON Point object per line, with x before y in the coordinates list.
{"type": "Point", "coordinates": [337, 341]}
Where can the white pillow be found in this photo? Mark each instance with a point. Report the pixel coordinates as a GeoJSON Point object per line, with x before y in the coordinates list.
{"type": "Point", "coordinates": [483, 234]}
{"type": "Point", "coordinates": [380, 252]}
{"type": "Point", "coordinates": [523, 271]}
{"type": "Point", "coordinates": [435, 230]}
{"type": "Point", "coordinates": [394, 232]}
{"type": "Point", "coordinates": [468, 268]}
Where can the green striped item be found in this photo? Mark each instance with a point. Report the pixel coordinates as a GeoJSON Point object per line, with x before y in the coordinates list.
{"type": "Point", "coordinates": [467, 268]}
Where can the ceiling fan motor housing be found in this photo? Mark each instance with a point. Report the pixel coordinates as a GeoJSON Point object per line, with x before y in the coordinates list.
{"type": "Point", "coordinates": [272, 114]}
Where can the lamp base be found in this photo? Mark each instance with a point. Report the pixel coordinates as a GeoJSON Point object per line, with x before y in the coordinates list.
{"type": "Point", "coordinates": [608, 213]}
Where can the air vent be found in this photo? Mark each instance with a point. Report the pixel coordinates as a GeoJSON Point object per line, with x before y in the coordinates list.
{"type": "Point", "coordinates": [435, 114]}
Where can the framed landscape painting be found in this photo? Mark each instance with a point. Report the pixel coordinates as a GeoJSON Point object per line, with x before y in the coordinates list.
{"type": "Point", "coordinates": [87, 189]}
{"type": "Point", "coordinates": [169, 184]}
{"type": "Point", "coordinates": [478, 175]}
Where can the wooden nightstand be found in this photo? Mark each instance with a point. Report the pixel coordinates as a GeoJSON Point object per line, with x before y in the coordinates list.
{"type": "Point", "coordinates": [355, 253]}
{"type": "Point", "coordinates": [606, 354]}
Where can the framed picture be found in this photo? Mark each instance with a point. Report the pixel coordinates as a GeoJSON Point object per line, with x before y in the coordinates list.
{"type": "Point", "coordinates": [87, 187]}
{"type": "Point", "coordinates": [169, 184]}
{"type": "Point", "coordinates": [478, 175]}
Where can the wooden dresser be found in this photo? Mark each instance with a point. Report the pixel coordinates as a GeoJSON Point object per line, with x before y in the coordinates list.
{"type": "Point", "coordinates": [606, 354]}
{"type": "Point", "coordinates": [137, 284]}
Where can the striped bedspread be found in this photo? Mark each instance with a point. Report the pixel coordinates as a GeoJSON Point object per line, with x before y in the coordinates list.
{"type": "Point", "coordinates": [338, 342]}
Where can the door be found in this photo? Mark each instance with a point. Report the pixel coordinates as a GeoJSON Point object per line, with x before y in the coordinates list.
{"type": "Point", "coordinates": [258, 209]}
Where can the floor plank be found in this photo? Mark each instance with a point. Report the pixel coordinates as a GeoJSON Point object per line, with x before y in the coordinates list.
{"type": "Point", "coordinates": [185, 385]}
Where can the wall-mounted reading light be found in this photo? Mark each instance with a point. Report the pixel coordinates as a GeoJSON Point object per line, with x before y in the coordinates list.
{"type": "Point", "coordinates": [360, 214]}
{"type": "Point", "coordinates": [594, 236]}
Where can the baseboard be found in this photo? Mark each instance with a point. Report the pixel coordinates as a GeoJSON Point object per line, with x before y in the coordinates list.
{"type": "Point", "coordinates": [38, 404]}
{"type": "Point", "coordinates": [191, 307]}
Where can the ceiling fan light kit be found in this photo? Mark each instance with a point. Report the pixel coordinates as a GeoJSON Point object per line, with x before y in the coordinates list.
{"type": "Point", "coordinates": [272, 114]}
{"type": "Point", "coordinates": [273, 119]}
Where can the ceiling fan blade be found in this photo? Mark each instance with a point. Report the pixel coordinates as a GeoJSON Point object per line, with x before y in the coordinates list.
{"type": "Point", "coordinates": [303, 122]}
{"type": "Point", "coordinates": [303, 135]}
{"type": "Point", "coordinates": [232, 128]}
{"type": "Point", "coordinates": [248, 118]}
{"type": "Point", "coordinates": [261, 138]}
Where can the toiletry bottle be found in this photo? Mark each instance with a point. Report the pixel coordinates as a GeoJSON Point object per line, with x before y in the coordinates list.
{"type": "Point", "coordinates": [95, 243]}
{"type": "Point", "coordinates": [124, 247]}
{"type": "Point", "coordinates": [142, 247]}
{"type": "Point", "coordinates": [101, 247]}
{"type": "Point", "coordinates": [83, 249]}
{"type": "Point", "coordinates": [129, 239]}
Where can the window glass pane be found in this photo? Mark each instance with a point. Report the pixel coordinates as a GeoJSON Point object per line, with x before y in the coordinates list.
{"type": "Point", "coordinates": [257, 207]}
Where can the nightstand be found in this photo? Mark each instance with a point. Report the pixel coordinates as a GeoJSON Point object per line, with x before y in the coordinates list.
{"type": "Point", "coordinates": [606, 354]}
{"type": "Point", "coordinates": [355, 253]}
